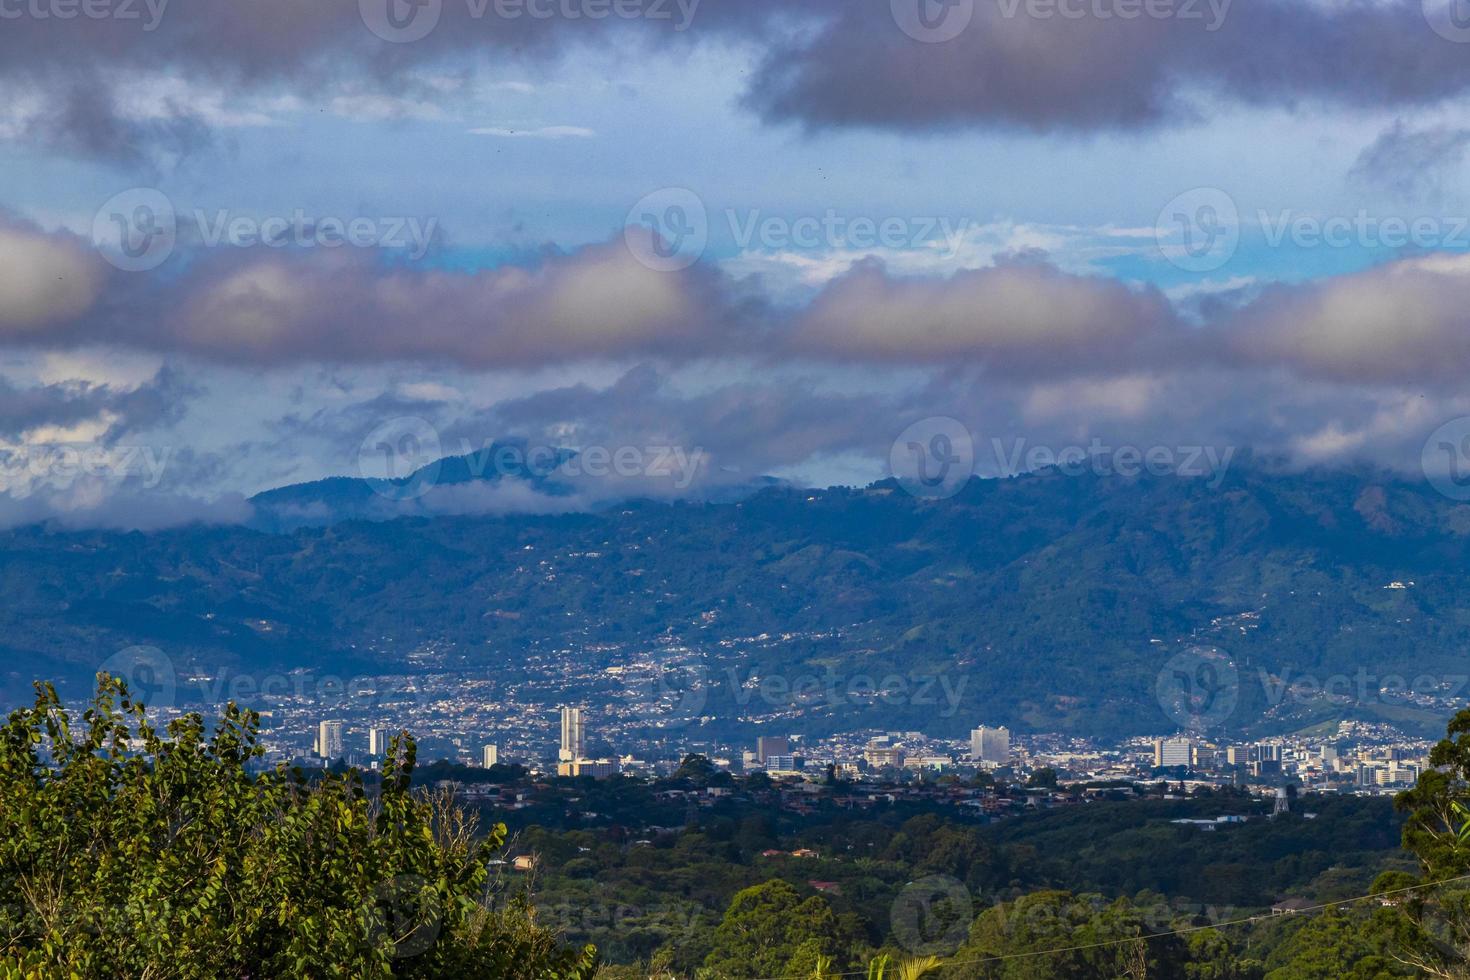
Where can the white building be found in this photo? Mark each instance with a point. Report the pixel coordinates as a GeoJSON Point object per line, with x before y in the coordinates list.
{"type": "Point", "coordinates": [573, 736]}
{"type": "Point", "coordinates": [990, 745]}
{"type": "Point", "coordinates": [329, 740]}
{"type": "Point", "coordinates": [1174, 752]}
{"type": "Point", "coordinates": [489, 756]}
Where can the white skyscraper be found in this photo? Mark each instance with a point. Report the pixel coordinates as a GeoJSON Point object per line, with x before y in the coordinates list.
{"type": "Point", "coordinates": [1174, 752]}
{"type": "Point", "coordinates": [573, 737]}
{"type": "Point", "coordinates": [489, 756]}
{"type": "Point", "coordinates": [378, 739]}
{"type": "Point", "coordinates": [329, 740]}
{"type": "Point", "coordinates": [990, 745]}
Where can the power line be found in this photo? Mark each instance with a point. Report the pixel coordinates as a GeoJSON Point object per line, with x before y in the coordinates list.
{"type": "Point", "coordinates": [1158, 935]}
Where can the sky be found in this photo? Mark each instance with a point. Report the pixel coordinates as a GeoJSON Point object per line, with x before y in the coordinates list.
{"type": "Point", "coordinates": [245, 245]}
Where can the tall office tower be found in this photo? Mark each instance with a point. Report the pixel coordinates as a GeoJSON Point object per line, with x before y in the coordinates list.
{"type": "Point", "coordinates": [378, 739]}
{"type": "Point", "coordinates": [1174, 752]}
{"type": "Point", "coordinates": [990, 744]}
{"type": "Point", "coordinates": [489, 756]}
{"type": "Point", "coordinates": [573, 738]}
{"type": "Point", "coordinates": [769, 745]}
{"type": "Point", "coordinates": [329, 740]}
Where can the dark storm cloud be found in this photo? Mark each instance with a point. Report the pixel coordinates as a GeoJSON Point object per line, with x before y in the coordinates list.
{"type": "Point", "coordinates": [1412, 162]}
{"type": "Point", "coordinates": [1080, 65]}
{"type": "Point", "coordinates": [1049, 65]}
{"type": "Point", "coordinates": [159, 401]}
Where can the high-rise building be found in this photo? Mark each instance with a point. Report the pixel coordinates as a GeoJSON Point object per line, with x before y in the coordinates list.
{"type": "Point", "coordinates": [489, 756]}
{"type": "Point", "coordinates": [378, 739]}
{"type": "Point", "coordinates": [573, 736]}
{"type": "Point", "coordinates": [769, 745]}
{"type": "Point", "coordinates": [784, 762]}
{"type": "Point", "coordinates": [329, 740]}
{"type": "Point", "coordinates": [990, 744]}
{"type": "Point", "coordinates": [1174, 752]}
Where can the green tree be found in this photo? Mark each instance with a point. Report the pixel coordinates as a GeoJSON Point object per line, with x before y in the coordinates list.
{"type": "Point", "coordinates": [770, 930]}
{"type": "Point", "coordinates": [1333, 946]}
{"type": "Point", "coordinates": [1431, 927]}
{"type": "Point", "coordinates": [1045, 777]}
{"type": "Point", "coordinates": [129, 853]}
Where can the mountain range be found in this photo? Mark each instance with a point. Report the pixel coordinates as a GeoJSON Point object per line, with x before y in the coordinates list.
{"type": "Point", "coordinates": [1051, 602]}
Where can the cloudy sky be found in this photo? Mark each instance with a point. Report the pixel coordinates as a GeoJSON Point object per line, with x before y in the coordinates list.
{"type": "Point", "coordinates": [239, 242]}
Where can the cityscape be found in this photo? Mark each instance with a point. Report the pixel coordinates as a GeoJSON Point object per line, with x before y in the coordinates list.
{"type": "Point", "coordinates": [1353, 758]}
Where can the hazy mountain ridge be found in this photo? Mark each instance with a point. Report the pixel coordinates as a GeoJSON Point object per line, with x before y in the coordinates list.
{"type": "Point", "coordinates": [1040, 594]}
